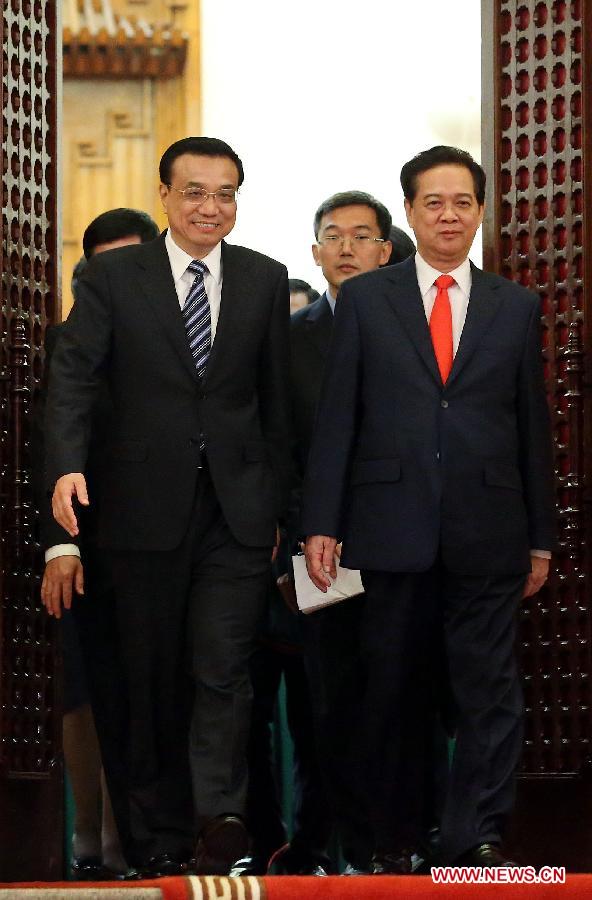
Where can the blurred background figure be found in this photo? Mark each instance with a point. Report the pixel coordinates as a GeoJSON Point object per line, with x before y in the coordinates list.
{"type": "Point", "coordinates": [89, 655]}
{"type": "Point", "coordinates": [402, 246]}
{"type": "Point", "coordinates": [301, 294]}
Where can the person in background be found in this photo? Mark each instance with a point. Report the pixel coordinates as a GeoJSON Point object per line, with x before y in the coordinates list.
{"type": "Point", "coordinates": [352, 236]}
{"type": "Point", "coordinates": [96, 850]}
{"type": "Point", "coordinates": [301, 294]}
{"type": "Point", "coordinates": [402, 246]}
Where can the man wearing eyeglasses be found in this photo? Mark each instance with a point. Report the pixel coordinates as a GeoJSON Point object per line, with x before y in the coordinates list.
{"type": "Point", "coordinates": [191, 334]}
{"type": "Point", "coordinates": [352, 230]}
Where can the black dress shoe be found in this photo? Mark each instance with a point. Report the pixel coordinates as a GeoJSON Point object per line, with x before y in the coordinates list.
{"type": "Point", "coordinates": [351, 869]}
{"type": "Point", "coordinates": [294, 861]}
{"type": "Point", "coordinates": [398, 862]}
{"type": "Point", "coordinates": [486, 856]}
{"type": "Point", "coordinates": [88, 868]}
{"type": "Point", "coordinates": [248, 865]}
{"type": "Point", "coordinates": [221, 842]}
{"type": "Point", "coordinates": [163, 866]}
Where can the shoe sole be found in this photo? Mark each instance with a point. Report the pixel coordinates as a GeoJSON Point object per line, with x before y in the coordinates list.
{"type": "Point", "coordinates": [221, 847]}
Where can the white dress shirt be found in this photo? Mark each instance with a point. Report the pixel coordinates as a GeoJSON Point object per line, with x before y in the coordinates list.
{"type": "Point", "coordinates": [179, 260]}
{"type": "Point", "coordinates": [458, 293]}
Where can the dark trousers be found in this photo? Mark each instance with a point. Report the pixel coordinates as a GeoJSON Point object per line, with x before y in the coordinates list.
{"type": "Point", "coordinates": [186, 625]}
{"type": "Point", "coordinates": [405, 618]}
{"type": "Point", "coordinates": [338, 686]}
{"type": "Point", "coordinates": [312, 820]}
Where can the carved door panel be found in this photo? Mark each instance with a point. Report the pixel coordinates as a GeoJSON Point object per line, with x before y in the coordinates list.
{"type": "Point", "coordinates": [30, 718]}
{"type": "Point", "coordinates": [536, 100]}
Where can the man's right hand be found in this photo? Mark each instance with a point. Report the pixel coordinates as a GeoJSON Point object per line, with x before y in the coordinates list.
{"type": "Point", "coordinates": [62, 575]}
{"type": "Point", "coordinates": [320, 560]}
{"type": "Point", "coordinates": [66, 487]}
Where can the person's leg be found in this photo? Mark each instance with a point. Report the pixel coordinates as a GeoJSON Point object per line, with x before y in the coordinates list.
{"type": "Point", "coordinates": [113, 858]}
{"type": "Point", "coordinates": [81, 755]}
{"type": "Point", "coordinates": [480, 617]}
{"type": "Point", "coordinates": [226, 604]}
{"type": "Point", "coordinates": [313, 819]}
{"type": "Point", "coordinates": [83, 764]}
{"type": "Point", "coordinates": [397, 637]}
{"type": "Point", "coordinates": [264, 817]}
{"type": "Point", "coordinates": [151, 591]}
{"type": "Point", "coordinates": [336, 681]}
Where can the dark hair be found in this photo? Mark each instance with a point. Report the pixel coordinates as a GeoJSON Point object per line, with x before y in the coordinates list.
{"type": "Point", "coordinates": [118, 223]}
{"type": "Point", "coordinates": [403, 246]}
{"type": "Point", "coordinates": [197, 146]}
{"type": "Point", "coordinates": [298, 286]}
{"type": "Point", "coordinates": [441, 156]}
{"type": "Point", "coordinates": [77, 272]}
{"type": "Point", "coordinates": [355, 198]}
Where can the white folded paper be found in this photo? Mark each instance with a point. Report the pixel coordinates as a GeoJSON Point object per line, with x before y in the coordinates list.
{"type": "Point", "coordinates": [347, 584]}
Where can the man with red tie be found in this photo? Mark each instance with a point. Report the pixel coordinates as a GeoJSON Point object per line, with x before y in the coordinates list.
{"type": "Point", "coordinates": [432, 463]}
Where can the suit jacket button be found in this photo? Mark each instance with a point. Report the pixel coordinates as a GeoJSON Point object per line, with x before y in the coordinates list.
{"type": "Point", "coordinates": [444, 404]}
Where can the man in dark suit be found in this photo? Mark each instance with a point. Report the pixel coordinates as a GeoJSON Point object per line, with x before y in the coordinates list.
{"type": "Point", "coordinates": [352, 231]}
{"type": "Point", "coordinates": [190, 334]}
{"type": "Point", "coordinates": [77, 588]}
{"type": "Point", "coordinates": [432, 461]}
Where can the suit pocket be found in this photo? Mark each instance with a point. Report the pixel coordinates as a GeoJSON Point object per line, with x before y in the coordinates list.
{"type": "Point", "coordinates": [375, 471]}
{"type": "Point", "coordinates": [502, 475]}
{"type": "Point", "coordinates": [129, 451]}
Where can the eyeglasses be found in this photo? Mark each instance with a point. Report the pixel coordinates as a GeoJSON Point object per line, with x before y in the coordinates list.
{"type": "Point", "coordinates": [196, 195]}
{"type": "Point", "coordinates": [335, 241]}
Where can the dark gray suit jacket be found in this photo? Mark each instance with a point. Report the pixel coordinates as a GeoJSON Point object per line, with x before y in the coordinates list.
{"type": "Point", "coordinates": [404, 467]}
{"type": "Point", "coordinates": [127, 324]}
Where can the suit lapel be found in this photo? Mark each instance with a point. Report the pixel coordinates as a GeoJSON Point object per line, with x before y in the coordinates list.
{"type": "Point", "coordinates": [319, 324]}
{"type": "Point", "coordinates": [484, 303]}
{"type": "Point", "coordinates": [407, 304]}
{"type": "Point", "coordinates": [238, 284]}
{"type": "Point", "coordinates": [156, 279]}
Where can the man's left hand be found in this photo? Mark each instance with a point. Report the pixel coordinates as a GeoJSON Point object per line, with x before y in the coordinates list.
{"type": "Point", "coordinates": [537, 577]}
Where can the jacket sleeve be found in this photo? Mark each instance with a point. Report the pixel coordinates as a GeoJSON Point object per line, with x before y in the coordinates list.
{"type": "Point", "coordinates": [75, 375]}
{"type": "Point", "coordinates": [327, 471]}
{"type": "Point", "coordinates": [274, 391]}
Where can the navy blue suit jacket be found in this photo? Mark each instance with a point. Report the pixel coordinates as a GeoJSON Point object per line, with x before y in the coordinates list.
{"type": "Point", "coordinates": [404, 468]}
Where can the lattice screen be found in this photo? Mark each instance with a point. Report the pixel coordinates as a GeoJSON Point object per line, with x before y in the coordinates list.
{"type": "Point", "coordinates": [28, 726]}
{"type": "Point", "coordinates": [539, 202]}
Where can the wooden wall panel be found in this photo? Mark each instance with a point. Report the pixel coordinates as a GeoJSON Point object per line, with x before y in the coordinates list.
{"type": "Point", "coordinates": [30, 718]}
{"type": "Point", "coordinates": [537, 89]}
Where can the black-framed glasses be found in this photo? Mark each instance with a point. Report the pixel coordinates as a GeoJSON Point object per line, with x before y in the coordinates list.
{"type": "Point", "coordinates": [358, 240]}
{"type": "Point", "coordinates": [197, 195]}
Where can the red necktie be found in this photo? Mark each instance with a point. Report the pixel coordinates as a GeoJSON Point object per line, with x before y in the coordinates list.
{"type": "Point", "coordinates": [441, 326]}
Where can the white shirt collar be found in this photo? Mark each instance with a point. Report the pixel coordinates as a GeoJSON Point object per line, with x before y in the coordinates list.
{"type": "Point", "coordinates": [331, 300]}
{"type": "Point", "coordinates": [179, 259]}
{"type": "Point", "coordinates": [426, 275]}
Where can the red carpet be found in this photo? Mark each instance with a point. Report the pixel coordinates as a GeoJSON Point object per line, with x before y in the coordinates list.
{"type": "Point", "coordinates": [577, 887]}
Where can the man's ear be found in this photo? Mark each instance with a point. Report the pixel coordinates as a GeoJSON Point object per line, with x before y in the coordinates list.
{"type": "Point", "coordinates": [386, 250]}
{"type": "Point", "coordinates": [163, 193]}
{"type": "Point", "coordinates": [315, 254]}
{"type": "Point", "coordinates": [409, 213]}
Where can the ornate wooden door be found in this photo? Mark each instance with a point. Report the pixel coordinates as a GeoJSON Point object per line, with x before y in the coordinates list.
{"type": "Point", "coordinates": [537, 151]}
{"type": "Point", "coordinates": [30, 719]}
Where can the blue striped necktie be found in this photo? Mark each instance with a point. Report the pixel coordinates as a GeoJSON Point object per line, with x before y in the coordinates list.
{"type": "Point", "coordinates": [197, 317]}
